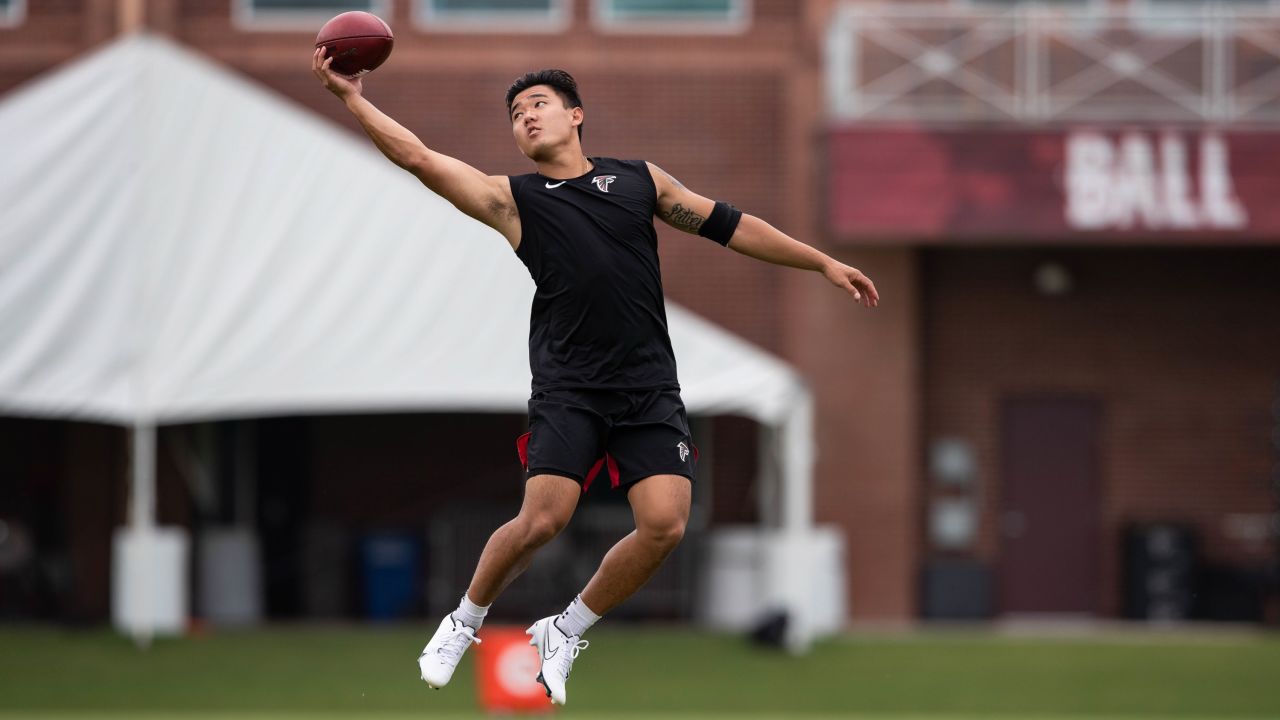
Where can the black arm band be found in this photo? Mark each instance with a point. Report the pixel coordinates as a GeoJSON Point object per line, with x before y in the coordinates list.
{"type": "Point", "coordinates": [723, 221]}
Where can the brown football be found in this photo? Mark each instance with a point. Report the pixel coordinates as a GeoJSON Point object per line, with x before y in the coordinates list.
{"type": "Point", "coordinates": [357, 41]}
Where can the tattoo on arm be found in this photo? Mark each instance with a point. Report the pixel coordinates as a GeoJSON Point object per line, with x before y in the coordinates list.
{"type": "Point", "coordinates": [684, 218]}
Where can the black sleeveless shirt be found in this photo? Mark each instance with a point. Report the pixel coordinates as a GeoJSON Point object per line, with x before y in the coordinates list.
{"type": "Point", "coordinates": [598, 319]}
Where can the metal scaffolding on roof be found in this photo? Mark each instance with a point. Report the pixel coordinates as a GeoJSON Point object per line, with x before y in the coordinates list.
{"type": "Point", "coordinates": [1214, 63]}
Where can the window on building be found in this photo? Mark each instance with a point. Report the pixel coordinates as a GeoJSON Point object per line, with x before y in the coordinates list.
{"type": "Point", "coordinates": [674, 15]}
{"type": "Point", "coordinates": [1100, 5]}
{"type": "Point", "coordinates": [494, 15]}
{"type": "Point", "coordinates": [12, 12]}
{"type": "Point", "coordinates": [1136, 7]}
{"type": "Point", "coordinates": [1188, 17]}
{"type": "Point", "coordinates": [1198, 6]}
{"type": "Point", "coordinates": [301, 14]}
{"type": "Point", "coordinates": [310, 5]}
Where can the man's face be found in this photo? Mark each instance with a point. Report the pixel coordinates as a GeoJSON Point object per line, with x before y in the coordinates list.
{"type": "Point", "coordinates": [541, 122]}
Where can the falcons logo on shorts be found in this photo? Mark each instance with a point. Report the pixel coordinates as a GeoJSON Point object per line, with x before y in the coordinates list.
{"type": "Point", "coordinates": [683, 450]}
{"type": "Point", "coordinates": [602, 181]}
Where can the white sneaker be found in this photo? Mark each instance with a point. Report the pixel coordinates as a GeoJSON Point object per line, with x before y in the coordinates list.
{"type": "Point", "coordinates": [556, 652]}
{"type": "Point", "coordinates": [441, 656]}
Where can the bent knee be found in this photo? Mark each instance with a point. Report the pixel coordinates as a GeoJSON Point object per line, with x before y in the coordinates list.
{"type": "Point", "coordinates": [538, 530]}
{"type": "Point", "coordinates": [665, 532]}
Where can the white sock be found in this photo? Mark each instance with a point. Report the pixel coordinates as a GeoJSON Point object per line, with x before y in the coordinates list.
{"type": "Point", "coordinates": [469, 613]}
{"type": "Point", "coordinates": [577, 618]}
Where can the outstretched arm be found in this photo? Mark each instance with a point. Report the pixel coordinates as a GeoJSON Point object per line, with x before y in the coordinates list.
{"type": "Point", "coordinates": [485, 198]}
{"type": "Point", "coordinates": [686, 210]}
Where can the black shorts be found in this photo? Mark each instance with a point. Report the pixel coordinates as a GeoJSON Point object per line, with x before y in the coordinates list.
{"type": "Point", "coordinates": [628, 435]}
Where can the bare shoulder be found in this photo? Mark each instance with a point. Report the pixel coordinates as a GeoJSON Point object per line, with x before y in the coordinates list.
{"type": "Point", "coordinates": [664, 180]}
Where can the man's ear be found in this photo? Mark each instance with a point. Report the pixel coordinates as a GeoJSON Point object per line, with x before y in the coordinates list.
{"type": "Point", "coordinates": [578, 116]}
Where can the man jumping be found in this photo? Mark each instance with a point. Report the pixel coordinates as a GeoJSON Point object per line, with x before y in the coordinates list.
{"type": "Point", "coordinates": [605, 397]}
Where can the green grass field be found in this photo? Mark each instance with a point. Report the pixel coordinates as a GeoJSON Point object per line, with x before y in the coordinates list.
{"type": "Point", "coordinates": [295, 672]}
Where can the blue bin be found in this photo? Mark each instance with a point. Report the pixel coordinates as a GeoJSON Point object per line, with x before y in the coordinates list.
{"type": "Point", "coordinates": [390, 569]}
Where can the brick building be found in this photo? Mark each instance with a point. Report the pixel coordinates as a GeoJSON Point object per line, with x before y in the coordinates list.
{"type": "Point", "coordinates": [1139, 354]}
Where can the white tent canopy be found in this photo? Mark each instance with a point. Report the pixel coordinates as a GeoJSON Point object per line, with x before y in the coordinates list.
{"type": "Point", "coordinates": [178, 244]}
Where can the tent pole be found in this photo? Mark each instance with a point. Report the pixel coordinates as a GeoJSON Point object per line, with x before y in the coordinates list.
{"type": "Point", "coordinates": [794, 564]}
{"type": "Point", "coordinates": [142, 517]}
{"type": "Point", "coordinates": [798, 458]}
{"type": "Point", "coordinates": [142, 489]}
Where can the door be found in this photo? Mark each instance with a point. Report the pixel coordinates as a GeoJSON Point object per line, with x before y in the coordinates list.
{"type": "Point", "coordinates": [1049, 524]}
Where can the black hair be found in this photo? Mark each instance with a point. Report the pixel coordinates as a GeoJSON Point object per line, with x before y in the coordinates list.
{"type": "Point", "coordinates": [559, 80]}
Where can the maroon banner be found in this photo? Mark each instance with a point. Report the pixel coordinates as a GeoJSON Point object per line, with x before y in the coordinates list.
{"type": "Point", "coordinates": [1081, 184]}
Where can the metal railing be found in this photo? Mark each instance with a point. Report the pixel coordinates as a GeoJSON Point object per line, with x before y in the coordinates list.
{"type": "Point", "coordinates": [1036, 63]}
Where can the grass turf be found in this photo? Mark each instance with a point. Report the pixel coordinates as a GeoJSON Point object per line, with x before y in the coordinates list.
{"type": "Point", "coordinates": [362, 672]}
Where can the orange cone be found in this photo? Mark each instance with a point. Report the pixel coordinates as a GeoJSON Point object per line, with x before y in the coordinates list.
{"type": "Point", "coordinates": [507, 671]}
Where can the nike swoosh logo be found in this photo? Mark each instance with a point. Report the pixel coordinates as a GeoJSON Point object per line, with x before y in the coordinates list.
{"type": "Point", "coordinates": [552, 187]}
{"type": "Point", "coordinates": [546, 637]}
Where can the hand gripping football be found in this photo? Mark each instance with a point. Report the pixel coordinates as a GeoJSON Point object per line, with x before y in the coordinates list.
{"type": "Point", "coordinates": [357, 41]}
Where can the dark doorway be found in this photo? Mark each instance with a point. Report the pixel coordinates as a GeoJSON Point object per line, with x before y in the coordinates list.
{"type": "Point", "coordinates": [1049, 561]}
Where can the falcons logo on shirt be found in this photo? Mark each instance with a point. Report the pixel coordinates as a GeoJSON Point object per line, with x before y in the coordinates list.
{"type": "Point", "coordinates": [602, 181]}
